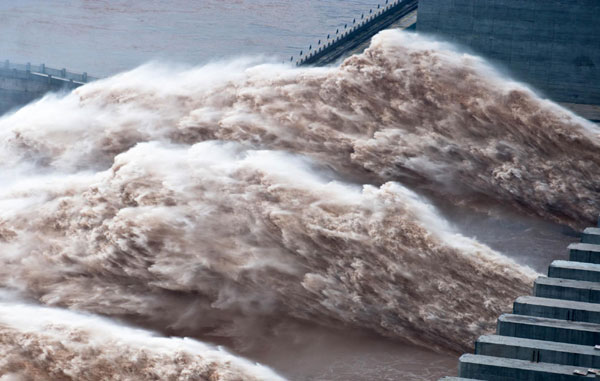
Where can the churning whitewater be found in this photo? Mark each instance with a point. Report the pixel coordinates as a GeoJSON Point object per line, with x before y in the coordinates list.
{"type": "Point", "coordinates": [46, 344]}
{"type": "Point", "coordinates": [224, 200]}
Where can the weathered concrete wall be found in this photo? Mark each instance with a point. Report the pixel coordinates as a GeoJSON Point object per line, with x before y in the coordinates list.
{"type": "Point", "coordinates": [552, 44]}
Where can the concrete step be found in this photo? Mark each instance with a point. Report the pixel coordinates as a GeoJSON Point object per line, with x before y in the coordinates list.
{"type": "Point", "coordinates": [591, 235]}
{"type": "Point", "coordinates": [567, 289]}
{"type": "Point", "coordinates": [557, 309]}
{"type": "Point", "coordinates": [502, 369]}
{"type": "Point", "coordinates": [538, 351]}
{"type": "Point", "coordinates": [584, 252]}
{"type": "Point", "coordinates": [537, 328]}
{"type": "Point", "coordinates": [589, 272]}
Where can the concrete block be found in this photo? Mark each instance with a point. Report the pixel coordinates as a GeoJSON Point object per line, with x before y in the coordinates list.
{"type": "Point", "coordinates": [567, 289]}
{"type": "Point", "coordinates": [502, 369]}
{"type": "Point", "coordinates": [538, 328]}
{"type": "Point", "coordinates": [584, 252]}
{"type": "Point", "coordinates": [591, 235]}
{"type": "Point", "coordinates": [589, 272]}
{"type": "Point", "coordinates": [538, 351]}
{"type": "Point", "coordinates": [569, 27]}
{"type": "Point", "coordinates": [557, 309]}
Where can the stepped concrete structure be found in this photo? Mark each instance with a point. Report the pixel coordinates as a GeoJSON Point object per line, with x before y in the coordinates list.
{"type": "Point", "coordinates": [21, 84]}
{"type": "Point", "coordinates": [553, 334]}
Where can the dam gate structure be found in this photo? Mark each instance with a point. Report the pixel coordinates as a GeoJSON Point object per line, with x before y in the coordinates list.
{"type": "Point", "coordinates": [21, 84]}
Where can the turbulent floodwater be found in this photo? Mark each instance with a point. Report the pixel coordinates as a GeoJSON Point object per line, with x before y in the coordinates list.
{"type": "Point", "coordinates": [270, 209]}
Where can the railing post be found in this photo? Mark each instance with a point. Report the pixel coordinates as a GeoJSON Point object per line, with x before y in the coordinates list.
{"type": "Point", "coordinates": [43, 68]}
{"type": "Point", "coordinates": [63, 73]}
{"type": "Point", "coordinates": [84, 77]}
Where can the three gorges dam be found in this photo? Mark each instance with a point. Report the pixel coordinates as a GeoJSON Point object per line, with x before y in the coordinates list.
{"type": "Point", "coordinates": [552, 46]}
{"type": "Point", "coordinates": [424, 174]}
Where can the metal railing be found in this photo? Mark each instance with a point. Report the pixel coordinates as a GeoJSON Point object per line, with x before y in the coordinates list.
{"type": "Point", "coordinates": [348, 33]}
{"type": "Point", "coordinates": [48, 71]}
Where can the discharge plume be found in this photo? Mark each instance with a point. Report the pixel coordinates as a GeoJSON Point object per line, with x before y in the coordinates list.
{"type": "Point", "coordinates": [223, 200]}
{"type": "Point", "coordinates": [408, 109]}
{"type": "Point", "coordinates": [42, 344]}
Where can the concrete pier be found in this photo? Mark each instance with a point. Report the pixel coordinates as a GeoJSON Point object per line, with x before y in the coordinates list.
{"type": "Point", "coordinates": [530, 327]}
{"type": "Point", "coordinates": [557, 309]}
{"type": "Point", "coordinates": [584, 252]}
{"type": "Point", "coordinates": [567, 289]}
{"type": "Point", "coordinates": [552, 335]}
{"type": "Point", "coordinates": [503, 369]}
{"type": "Point", "coordinates": [591, 235]}
{"type": "Point", "coordinates": [538, 351]}
{"type": "Point", "coordinates": [589, 272]}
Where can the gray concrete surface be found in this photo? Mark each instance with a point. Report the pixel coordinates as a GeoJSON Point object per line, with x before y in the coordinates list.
{"type": "Point", "coordinates": [552, 45]}
{"type": "Point", "coordinates": [502, 369]}
{"type": "Point", "coordinates": [584, 252]}
{"type": "Point", "coordinates": [567, 289]}
{"type": "Point", "coordinates": [591, 235]}
{"type": "Point", "coordinates": [538, 351]}
{"type": "Point", "coordinates": [537, 328]}
{"type": "Point", "coordinates": [557, 309]}
{"type": "Point", "coordinates": [589, 272]}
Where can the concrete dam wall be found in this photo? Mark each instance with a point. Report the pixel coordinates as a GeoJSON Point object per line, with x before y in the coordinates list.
{"type": "Point", "coordinates": [21, 84]}
{"type": "Point", "coordinates": [553, 45]}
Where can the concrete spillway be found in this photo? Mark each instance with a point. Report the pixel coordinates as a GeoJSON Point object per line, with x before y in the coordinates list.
{"type": "Point", "coordinates": [21, 84]}
{"type": "Point", "coordinates": [552, 335]}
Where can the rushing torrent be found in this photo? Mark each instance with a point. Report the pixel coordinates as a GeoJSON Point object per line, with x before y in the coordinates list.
{"type": "Point", "coordinates": [45, 344]}
{"type": "Point", "coordinates": [220, 201]}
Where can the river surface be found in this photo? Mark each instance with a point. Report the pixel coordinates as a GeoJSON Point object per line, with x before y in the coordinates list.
{"type": "Point", "coordinates": [98, 142]}
{"type": "Point", "coordinates": [103, 37]}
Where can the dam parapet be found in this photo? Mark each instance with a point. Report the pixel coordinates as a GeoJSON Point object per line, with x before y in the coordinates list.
{"type": "Point", "coordinates": [23, 83]}
{"type": "Point", "coordinates": [353, 39]}
{"type": "Point", "coordinates": [553, 335]}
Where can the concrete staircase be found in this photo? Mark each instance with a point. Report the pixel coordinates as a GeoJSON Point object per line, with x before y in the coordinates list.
{"type": "Point", "coordinates": [552, 335]}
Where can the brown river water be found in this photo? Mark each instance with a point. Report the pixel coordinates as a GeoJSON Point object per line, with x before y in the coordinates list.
{"type": "Point", "coordinates": [244, 219]}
